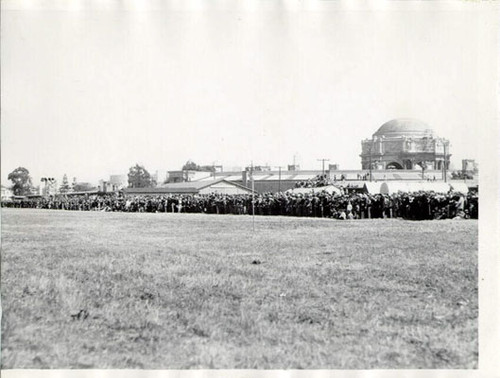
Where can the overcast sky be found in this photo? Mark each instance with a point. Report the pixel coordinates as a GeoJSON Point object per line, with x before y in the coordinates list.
{"type": "Point", "coordinates": [89, 88]}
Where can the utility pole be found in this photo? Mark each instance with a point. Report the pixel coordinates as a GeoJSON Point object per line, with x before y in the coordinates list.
{"type": "Point", "coordinates": [279, 179]}
{"type": "Point", "coordinates": [253, 198]}
{"type": "Point", "coordinates": [445, 144]}
{"type": "Point", "coordinates": [464, 172]}
{"type": "Point", "coordinates": [213, 170]}
{"type": "Point", "coordinates": [370, 167]}
{"type": "Point", "coordinates": [323, 161]}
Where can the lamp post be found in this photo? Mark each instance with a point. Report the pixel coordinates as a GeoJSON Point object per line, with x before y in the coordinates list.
{"type": "Point", "coordinates": [253, 197]}
{"type": "Point", "coordinates": [370, 152]}
{"type": "Point", "coordinates": [445, 145]}
{"type": "Point", "coordinates": [423, 165]}
{"type": "Point", "coordinates": [279, 179]}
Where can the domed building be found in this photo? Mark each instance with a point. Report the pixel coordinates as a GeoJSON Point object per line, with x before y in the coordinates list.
{"type": "Point", "coordinates": [405, 143]}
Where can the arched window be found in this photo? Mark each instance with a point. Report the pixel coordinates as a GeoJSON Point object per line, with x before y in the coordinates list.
{"type": "Point", "coordinates": [394, 165]}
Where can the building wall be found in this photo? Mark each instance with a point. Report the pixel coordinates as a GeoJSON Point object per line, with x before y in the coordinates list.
{"type": "Point", "coordinates": [469, 165]}
{"type": "Point", "coordinates": [425, 145]}
{"type": "Point", "coordinates": [119, 180]}
{"type": "Point", "coordinates": [404, 151]}
{"type": "Point", "coordinates": [272, 186]}
{"type": "Point", "coordinates": [49, 189]}
{"type": "Point", "coordinates": [108, 187]}
{"type": "Point", "coordinates": [6, 193]}
{"type": "Point", "coordinates": [392, 146]}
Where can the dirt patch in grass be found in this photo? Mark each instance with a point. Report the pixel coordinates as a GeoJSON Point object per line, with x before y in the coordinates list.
{"type": "Point", "coordinates": [174, 291]}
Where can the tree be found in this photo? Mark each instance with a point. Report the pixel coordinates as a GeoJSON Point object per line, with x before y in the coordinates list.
{"type": "Point", "coordinates": [190, 166]}
{"type": "Point", "coordinates": [65, 185]}
{"type": "Point", "coordinates": [139, 177]}
{"type": "Point", "coordinates": [21, 181]}
{"type": "Point", "coordinates": [83, 187]}
{"type": "Point", "coordinates": [207, 168]}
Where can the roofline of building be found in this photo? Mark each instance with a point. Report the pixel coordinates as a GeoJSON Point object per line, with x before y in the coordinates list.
{"type": "Point", "coordinates": [183, 187]}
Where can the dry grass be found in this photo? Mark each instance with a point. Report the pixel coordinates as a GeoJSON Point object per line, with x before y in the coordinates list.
{"type": "Point", "coordinates": [116, 290]}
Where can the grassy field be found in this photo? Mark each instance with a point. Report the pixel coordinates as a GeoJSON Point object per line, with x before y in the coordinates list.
{"type": "Point", "coordinates": [118, 290]}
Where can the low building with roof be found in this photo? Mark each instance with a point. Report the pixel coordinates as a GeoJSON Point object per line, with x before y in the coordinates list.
{"type": "Point", "coordinates": [118, 181]}
{"type": "Point", "coordinates": [188, 175]}
{"type": "Point", "coordinates": [220, 186]}
{"type": "Point", "coordinates": [267, 181]}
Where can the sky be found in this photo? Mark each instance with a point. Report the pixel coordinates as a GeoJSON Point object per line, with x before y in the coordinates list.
{"type": "Point", "coordinates": [90, 88]}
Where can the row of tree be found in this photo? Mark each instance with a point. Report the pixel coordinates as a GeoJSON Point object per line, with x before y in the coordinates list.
{"type": "Point", "coordinates": [138, 177]}
{"type": "Point", "coordinates": [22, 183]}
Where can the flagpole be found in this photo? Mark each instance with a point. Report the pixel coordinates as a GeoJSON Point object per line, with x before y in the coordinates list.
{"type": "Point", "coordinates": [253, 199]}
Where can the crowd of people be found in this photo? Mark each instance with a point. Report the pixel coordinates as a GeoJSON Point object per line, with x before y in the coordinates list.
{"type": "Point", "coordinates": [415, 206]}
{"type": "Point", "coordinates": [316, 182]}
{"type": "Point", "coordinates": [323, 180]}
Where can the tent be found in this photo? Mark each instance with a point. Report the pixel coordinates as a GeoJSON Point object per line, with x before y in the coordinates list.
{"type": "Point", "coordinates": [331, 189]}
{"type": "Point", "coordinates": [392, 187]}
{"type": "Point", "coordinates": [371, 187]}
{"type": "Point", "coordinates": [459, 187]}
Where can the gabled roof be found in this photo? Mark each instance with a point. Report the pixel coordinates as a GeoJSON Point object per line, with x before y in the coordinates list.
{"type": "Point", "coordinates": [182, 187]}
{"type": "Point", "coordinates": [228, 177]}
{"type": "Point", "coordinates": [160, 190]}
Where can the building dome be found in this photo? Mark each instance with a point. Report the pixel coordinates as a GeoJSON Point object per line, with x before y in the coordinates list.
{"type": "Point", "coordinates": [405, 143]}
{"type": "Point", "coordinates": [404, 127]}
